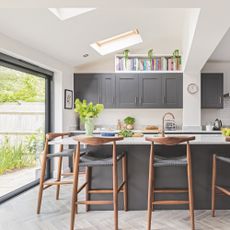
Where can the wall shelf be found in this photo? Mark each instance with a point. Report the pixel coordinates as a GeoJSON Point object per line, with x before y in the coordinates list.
{"type": "Point", "coordinates": [140, 63]}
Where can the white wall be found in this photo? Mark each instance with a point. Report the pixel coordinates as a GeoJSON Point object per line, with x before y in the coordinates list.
{"type": "Point", "coordinates": [63, 77]}
{"type": "Point", "coordinates": [209, 115]}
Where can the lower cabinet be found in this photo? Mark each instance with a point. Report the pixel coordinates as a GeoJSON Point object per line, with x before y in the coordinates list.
{"type": "Point", "coordinates": [126, 90]}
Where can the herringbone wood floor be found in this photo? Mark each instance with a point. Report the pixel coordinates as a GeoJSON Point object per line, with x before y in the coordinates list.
{"type": "Point", "coordinates": [20, 214]}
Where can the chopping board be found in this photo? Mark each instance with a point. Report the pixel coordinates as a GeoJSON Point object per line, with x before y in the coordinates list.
{"type": "Point", "coordinates": [227, 139]}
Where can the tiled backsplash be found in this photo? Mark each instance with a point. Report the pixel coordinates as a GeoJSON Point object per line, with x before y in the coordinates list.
{"type": "Point", "coordinates": [209, 115]}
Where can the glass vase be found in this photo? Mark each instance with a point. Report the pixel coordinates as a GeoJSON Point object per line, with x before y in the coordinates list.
{"type": "Point", "coordinates": [89, 126]}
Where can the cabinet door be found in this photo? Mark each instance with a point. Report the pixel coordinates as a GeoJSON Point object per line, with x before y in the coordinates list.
{"type": "Point", "coordinates": [172, 88]}
{"type": "Point", "coordinates": [127, 90]}
{"type": "Point", "coordinates": [108, 90]}
{"type": "Point", "coordinates": [212, 90]}
{"type": "Point", "coordinates": [87, 86]}
{"type": "Point", "coordinates": [150, 90]}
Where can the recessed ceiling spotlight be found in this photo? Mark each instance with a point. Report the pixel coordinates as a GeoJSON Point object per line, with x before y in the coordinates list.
{"type": "Point", "coordinates": [85, 55]}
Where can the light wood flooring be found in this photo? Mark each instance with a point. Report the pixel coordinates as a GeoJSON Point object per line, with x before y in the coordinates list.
{"type": "Point", "coordinates": [20, 214]}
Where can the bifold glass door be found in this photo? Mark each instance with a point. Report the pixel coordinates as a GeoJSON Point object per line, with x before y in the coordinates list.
{"type": "Point", "coordinates": [23, 122]}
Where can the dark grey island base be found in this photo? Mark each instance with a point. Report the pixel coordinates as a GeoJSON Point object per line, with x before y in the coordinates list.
{"type": "Point", "coordinates": [166, 177]}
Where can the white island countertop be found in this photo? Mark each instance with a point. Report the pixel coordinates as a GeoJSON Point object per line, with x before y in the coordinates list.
{"type": "Point", "coordinates": [178, 131]}
{"type": "Point", "coordinates": [201, 139]}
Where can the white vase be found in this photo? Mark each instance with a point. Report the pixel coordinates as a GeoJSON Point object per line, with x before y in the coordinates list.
{"type": "Point", "coordinates": [89, 126]}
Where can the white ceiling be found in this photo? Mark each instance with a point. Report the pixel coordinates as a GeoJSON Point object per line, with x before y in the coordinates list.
{"type": "Point", "coordinates": [69, 40]}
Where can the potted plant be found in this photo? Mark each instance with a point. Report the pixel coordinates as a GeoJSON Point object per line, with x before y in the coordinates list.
{"type": "Point", "coordinates": [88, 112]}
{"type": "Point", "coordinates": [126, 56]}
{"type": "Point", "coordinates": [129, 122]}
{"type": "Point", "coordinates": [150, 56]}
{"type": "Point", "coordinates": [176, 59]}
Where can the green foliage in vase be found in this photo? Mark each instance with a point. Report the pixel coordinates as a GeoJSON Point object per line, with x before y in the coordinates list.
{"type": "Point", "coordinates": [87, 110]}
{"type": "Point", "coordinates": [129, 120]}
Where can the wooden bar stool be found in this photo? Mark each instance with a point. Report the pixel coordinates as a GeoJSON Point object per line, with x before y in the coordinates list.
{"type": "Point", "coordinates": [159, 161]}
{"type": "Point", "coordinates": [46, 156]}
{"type": "Point", "coordinates": [215, 187]}
{"type": "Point", "coordinates": [91, 160]}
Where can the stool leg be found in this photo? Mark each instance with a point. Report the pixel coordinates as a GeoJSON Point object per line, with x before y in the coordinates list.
{"type": "Point", "coordinates": [115, 198]}
{"type": "Point", "coordinates": [150, 189]}
{"type": "Point", "coordinates": [42, 179]}
{"type": "Point", "coordinates": [190, 187]}
{"type": "Point", "coordinates": [124, 177]}
{"type": "Point", "coordinates": [59, 177]}
{"type": "Point", "coordinates": [87, 187]}
{"type": "Point", "coordinates": [75, 188]}
{"type": "Point", "coordinates": [213, 185]}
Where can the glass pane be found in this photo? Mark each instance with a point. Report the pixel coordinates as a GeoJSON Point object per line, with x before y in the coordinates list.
{"type": "Point", "coordinates": [22, 128]}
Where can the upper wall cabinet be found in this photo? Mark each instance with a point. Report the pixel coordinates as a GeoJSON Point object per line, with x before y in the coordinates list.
{"type": "Point", "coordinates": [87, 86]}
{"type": "Point", "coordinates": [131, 90]}
{"type": "Point", "coordinates": [127, 90]}
{"type": "Point", "coordinates": [172, 90]}
{"type": "Point", "coordinates": [96, 88]}
{"type": "Point", "coordinates": [212, 90]}
{"type": "Point", "coordinates": [150, 90]}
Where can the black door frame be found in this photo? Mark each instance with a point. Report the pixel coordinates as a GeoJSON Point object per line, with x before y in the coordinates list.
{"type": "Point", "coordinates": [20, 65]}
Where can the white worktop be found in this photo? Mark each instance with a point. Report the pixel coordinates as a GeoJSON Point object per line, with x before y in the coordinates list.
{"type": "Point", "coordinates": [179, 131]}
{"type": "Point", "coordinates": [201, 139]}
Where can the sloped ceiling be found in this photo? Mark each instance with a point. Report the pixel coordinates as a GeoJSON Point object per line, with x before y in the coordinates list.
{"type": "Point", "coordinates": [69, 40]}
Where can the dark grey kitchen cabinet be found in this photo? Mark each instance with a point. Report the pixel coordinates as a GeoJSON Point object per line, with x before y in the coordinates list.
{"type": "Point", "coordinates": [172, 90]}
{"type": "Point", "coordinates": [127, 90]}
{"type": "Point", "coordinates": [150, 90]}
{"type": "Point", "coordinates": [96, 88]}
{"type": "Point", "coordinates": [108, 94]}
{"type": "Point", "coordinates": [87, 86]}
{"type": "Point", "coordinates": [212, 90]}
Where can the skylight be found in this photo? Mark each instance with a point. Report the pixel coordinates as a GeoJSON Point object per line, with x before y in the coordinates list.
{"type": "Point", "coordinates": [66, 13]}
{"type": "Point", "coordinates": [117, 42]}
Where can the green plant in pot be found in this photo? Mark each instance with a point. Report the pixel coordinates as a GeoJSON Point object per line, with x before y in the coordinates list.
{"type": "Point", "coordinates": [150, 57]}
{"type": "Point", "coordinates": [177, 58]}
{"type": "Point", "coordinates": [88, 112]}
{"type": "Point", "coordinates": [129, 122]}
{"type": "Point", "coordinates": [126, 56]}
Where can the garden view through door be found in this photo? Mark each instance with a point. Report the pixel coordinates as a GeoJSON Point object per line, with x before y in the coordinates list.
{"type": "Point", "coordinates": [22, 128]}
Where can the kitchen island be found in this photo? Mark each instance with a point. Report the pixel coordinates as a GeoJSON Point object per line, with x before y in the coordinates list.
{"type": "Point", "coordinates": [166, 177]}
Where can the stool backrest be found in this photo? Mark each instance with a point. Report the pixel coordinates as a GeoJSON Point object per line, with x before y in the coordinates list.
{"type": "Point", "coordinates": [51, 136]}
{"type": "Point", "coordinates": [170, 140]}
{"type": "Point", "coordinates": [96, 140]}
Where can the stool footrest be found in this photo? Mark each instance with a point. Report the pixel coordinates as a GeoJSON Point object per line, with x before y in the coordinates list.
{"type": "Point", "coordinates": [96, 202]}
{"type": "Point", "coordinates": [223, 190]}
{"type": "Point", "coordinates": [58, 182]}
{"type": "Point", "coordinates": [170, 202]}
{"type": "Point", "coordinates": [170, 190]}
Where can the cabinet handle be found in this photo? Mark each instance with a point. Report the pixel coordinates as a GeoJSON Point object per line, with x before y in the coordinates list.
{"type": "Point", "coordinates": [220, 99]}
{"type": "Point", "coordinates": [141, 100]}
{"type": "Point", "coordinates": [136, 98]}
